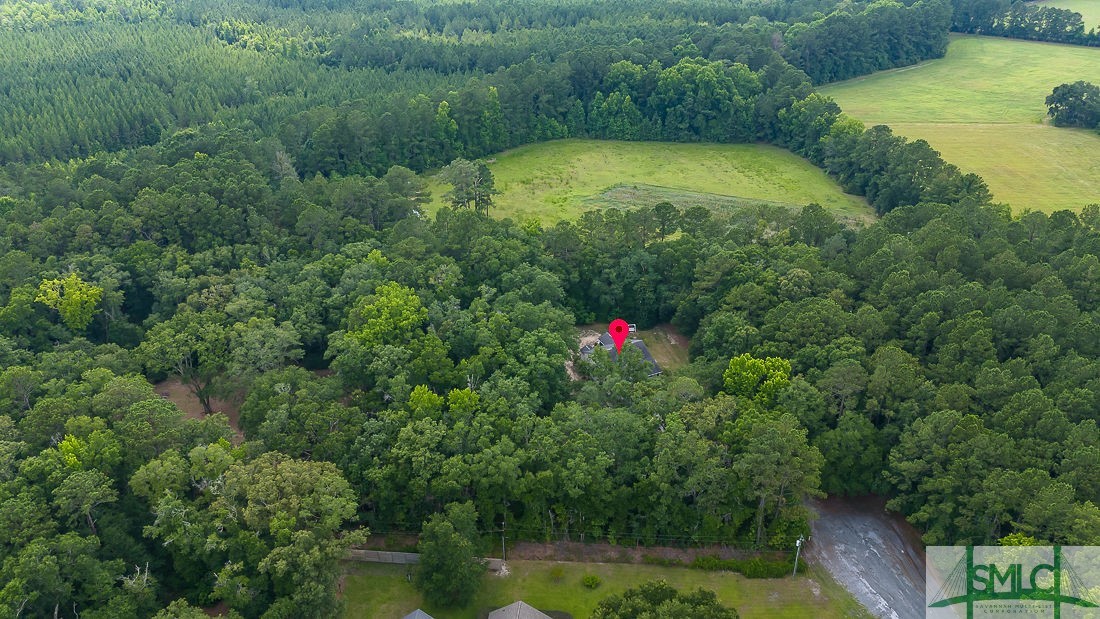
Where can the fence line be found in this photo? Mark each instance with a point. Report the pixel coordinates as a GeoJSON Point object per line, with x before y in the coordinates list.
{"type": "Point", "coordinates": [404, 558]}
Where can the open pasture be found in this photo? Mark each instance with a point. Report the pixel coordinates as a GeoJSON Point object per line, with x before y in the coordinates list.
{"type": "Point", "coordinates": [983, 107]}
{"type": "Point", "coordinates": [562, 179]}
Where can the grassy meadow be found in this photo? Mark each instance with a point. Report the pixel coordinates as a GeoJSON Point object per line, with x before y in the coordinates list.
{"type": "Point", "coordinates": [1089, 9]}
{"type": "Point", "coordinates": [561, 179]}
{"type": "Point", "coordinates": [374, 591]}
{"type": "Point", "coordinates": [982, 106]}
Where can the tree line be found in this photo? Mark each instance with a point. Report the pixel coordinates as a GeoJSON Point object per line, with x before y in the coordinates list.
{"type": "Point", "coordinates": [881, 35]}
{"type": "Point", "coordinates": [75, 90]}
{"type": "Point", "coordinates": [84, 78]}
{"type": "Point", "coordinates": [1019, 19]}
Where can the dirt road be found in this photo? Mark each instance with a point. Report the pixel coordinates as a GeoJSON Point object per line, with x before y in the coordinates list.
{"type": "Point", "coordinates": [876, 555]}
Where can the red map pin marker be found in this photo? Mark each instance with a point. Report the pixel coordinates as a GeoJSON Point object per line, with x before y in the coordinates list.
{"type": "Point", "coordinates": [619, 330]}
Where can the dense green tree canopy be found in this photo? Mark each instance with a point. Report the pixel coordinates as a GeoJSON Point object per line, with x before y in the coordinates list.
{"type": "Point", "coordinates": [233, 196]}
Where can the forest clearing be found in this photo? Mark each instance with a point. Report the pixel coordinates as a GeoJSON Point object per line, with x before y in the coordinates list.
{"type": "Point", "coordinates": [560, 180]}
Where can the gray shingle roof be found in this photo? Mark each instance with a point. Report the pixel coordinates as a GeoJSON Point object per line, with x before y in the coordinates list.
{"type": "Point", "coordinates": [418, 614]}
{"type": "Point", "coordinates": [518, 610]}
{"type": "Point", "coordinates": [609, 345]}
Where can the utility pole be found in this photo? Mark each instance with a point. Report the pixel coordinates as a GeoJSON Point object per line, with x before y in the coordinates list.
{"type": "Point", "coordinates": [503, 557]}
{"type": "Point", "coordinates": [797, 549]}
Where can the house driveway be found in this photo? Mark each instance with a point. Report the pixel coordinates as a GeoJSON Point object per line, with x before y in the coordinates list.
{"type": "Point", "coordinates": [873, 553]}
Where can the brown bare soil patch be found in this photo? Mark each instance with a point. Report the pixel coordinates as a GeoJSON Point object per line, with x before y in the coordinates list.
{"type": "Point", "coordinates": [220, 609]}
{"type": "Point", "coordinates": [177, 393]}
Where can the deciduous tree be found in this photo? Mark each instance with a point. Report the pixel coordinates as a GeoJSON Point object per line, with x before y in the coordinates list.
{"type": "Point", "coordinates": [73, 298]}
{"type": "Point", "coordinates": [449, 572]}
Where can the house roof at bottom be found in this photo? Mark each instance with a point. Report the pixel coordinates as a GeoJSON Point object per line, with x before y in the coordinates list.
{"type": "Point", "coordinates": [418, 614]}
{"type": "Point", "coordinates": [518, 610]}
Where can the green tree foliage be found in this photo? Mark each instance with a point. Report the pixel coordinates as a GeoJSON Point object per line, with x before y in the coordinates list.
{"type": "Point", "coordinates": [181, 609]}
{"type": "Point", "coordinates": [1075, 105]}
{"type": "Point", "coordinates": [73, 298]}
{"type": "Point", "coordinates": [249, 201]}
{"type": "Point", "coordinates": [777, 464]}
{"type": "Point", "coordinates": [759, 380]}
{"type": "Point", "coordinates": [260, 345]}
{"type": "Point", "coordinates": [659, 600]}
{"type": "Point", "coordinates": [1020, 20]}
{"type": "Point", "coordinates": [81, 493]}
{"type": "Point", "coordinates": [191, 345]}
{"type": "Point", "coordinates": [272, 533]}
{"type": "Point", "coordinates": [472, 185]}
{"type": "Point", "coordinates": [853, 457]}
{"type": "Point", "coordinates": [840, 45]}
{"type": "Point", "coordinates": [449, 572]}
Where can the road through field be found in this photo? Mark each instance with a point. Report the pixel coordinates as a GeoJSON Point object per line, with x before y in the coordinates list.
{"type": "Point", "coordinates": [874, 554]}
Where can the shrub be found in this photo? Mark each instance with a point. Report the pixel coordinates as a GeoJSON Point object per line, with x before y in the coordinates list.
{"type": "Point", "coordinates": [759, 568]}
{"type": "Point", "coordinates": [755, 567]}
{"type": "Point", "coordinates": [591, 581]}
{"type": "Point", "coordinates": [557, 573]}
{"type": "Point", "coordinates": [659, 599]}
{"type": "Point", "coordinates": [712, 563]}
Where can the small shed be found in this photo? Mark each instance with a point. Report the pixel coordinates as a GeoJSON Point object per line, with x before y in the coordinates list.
{"type": "Point", "coordinates": [418, 614]}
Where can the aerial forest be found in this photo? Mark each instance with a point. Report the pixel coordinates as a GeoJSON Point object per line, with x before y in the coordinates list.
{"type": "Point", "coordinates": [232, 197]}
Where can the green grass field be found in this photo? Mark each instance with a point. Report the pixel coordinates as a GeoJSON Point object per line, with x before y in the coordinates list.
{"type": "Point", "coordinates": [982, 106]}
{"type": "Point", "coordinates": [561, 179]}
{"type": "Point", "coordinates": [1089, 9]}
{"type": "Point", "coordinates": [668, 347]}
{"type": "Point", "coordinates": [375, 591]}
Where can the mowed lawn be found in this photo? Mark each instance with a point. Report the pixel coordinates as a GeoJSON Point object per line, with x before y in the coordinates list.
{"type": "Point", "coordinates": [375, 591]}
{"type": "Point", "coordinates": [561, 179]}
{"type": "Point", "coordinates": [982, 106]}
{"type": "Point", "coordinates": [1089, 9]}
{"type": "Point", "coordinates": [669, 348]}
